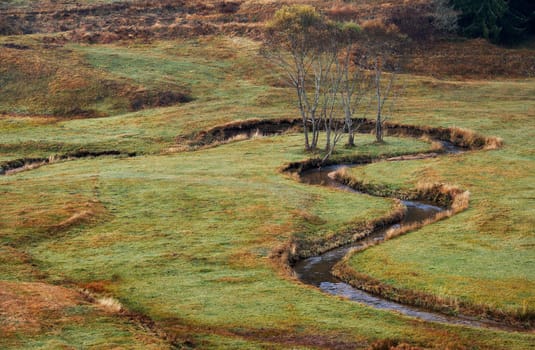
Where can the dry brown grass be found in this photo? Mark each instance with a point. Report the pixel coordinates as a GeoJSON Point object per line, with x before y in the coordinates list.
{"type": "Point", "coordinates": [110, 304]}
{"type": "Point", "coordinates": [460, 203]}
{"type": "Point", "coordinates": [27, 308]}
{"type": "Point", "coordinates": [26, 167]}
{"type": "Point", "coordinates": [343, 11]}
{"type": "Point", "coordinates": [284, 255]}
{"type": "Point", "coordinates": [92, 211]}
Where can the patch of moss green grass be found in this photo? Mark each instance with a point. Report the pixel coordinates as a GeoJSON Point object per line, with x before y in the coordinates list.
{"type": "Point", "coordinates": [226, 76]}
{"type": "Point", "coordinates": [187, 238]}
{"type": "Point", "coordinates": [484, 255]}
{"type": "Point", "coordinates": [38, 80]}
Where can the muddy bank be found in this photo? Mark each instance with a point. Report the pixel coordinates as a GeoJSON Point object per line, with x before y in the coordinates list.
{"type": "Point", "coordinates": [21, 164]}
{"type": "Point", "coordinates": [241, 129]}
{"type": "Point", "coordinates": [442, 195]}
{"type": "Point", "coordinates": [286, 255]}
{"type": "Point", "coordinates": [461, 138]}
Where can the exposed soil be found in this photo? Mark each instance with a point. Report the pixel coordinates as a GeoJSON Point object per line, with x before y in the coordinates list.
{"type": "Point", "coordinates": [247, 129]}
{"type": "Point", "coordinates": [264, 127]}
{"type": "Point", "coordinates": [142, 99]}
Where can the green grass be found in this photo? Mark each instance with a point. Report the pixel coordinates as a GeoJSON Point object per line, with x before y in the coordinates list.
{"type": "Point", "coordinates": [96, 331]}
{"type": "Point", "coordinates": [185, 238]}
{"type": "Point", "coordinates": [225, 82]}
{"type": "Point", "coordinates": [484, 255]}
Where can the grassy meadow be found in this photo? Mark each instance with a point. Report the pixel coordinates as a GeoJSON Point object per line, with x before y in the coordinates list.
{"type": "Point", "coordinates": [484, 255]}
{"type": "Point", "coordinates": [185, 238]}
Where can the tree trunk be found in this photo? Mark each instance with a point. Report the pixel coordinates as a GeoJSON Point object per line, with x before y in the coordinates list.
{"type": "Point", "coordinates": [350, 131]}
{"type": "Point", "coordinates": [378, 128]}
{"type": "Point", "coordinates": [305, 131]}
{"type": "Point", "coordinates": [378, 121]}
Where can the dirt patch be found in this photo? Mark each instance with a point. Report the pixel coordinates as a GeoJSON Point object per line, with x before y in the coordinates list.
{"type": "Point", "coordinates": [295, 339]}
{"type": "Point", "coordinates": [392, 344]}
{"type": "Point", "coordinates": [27, 308]}
{"type": "Point", "coordinates": [276, 337]}
{"type": "Point", "coordinates": [16, 46]}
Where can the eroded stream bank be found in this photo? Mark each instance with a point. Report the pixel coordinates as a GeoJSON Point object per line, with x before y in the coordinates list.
{"type": "Point", "coordinates": [317, 270]}
{"type": "Point", "coordinates": [22, 164]}
{"type": "Point", "coordinates": [328, 269]}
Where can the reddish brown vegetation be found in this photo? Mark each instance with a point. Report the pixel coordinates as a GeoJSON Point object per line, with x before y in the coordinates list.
{"type": "Point", "coordinates": [426, 50]}
{"type": "Point", "coordinates": [27, 308]}
{"type": "Point", "coordinates": [469, 59]}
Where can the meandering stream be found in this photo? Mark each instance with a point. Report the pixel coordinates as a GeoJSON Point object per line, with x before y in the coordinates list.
{"type": "Point", "coordinates": [316, 271]}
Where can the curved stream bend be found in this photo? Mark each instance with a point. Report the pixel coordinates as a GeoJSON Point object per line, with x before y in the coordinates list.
{"type": "Point", "coordinates": [316, 270]}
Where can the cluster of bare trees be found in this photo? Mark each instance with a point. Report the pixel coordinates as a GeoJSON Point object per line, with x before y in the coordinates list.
{"type": "Point", "coordinates": [332, 86]}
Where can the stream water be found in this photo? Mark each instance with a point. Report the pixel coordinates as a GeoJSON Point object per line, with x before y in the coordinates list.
{"type": "Point", "coordinates": [316, 270]}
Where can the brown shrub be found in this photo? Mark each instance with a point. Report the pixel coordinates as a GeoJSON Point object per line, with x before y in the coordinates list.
{"type": "Point", "coordinates": [342, 12]}
{"type": "Point", "coordinates": [141, 99]}
{"type": "Point", "coordinates": [391, 344]}
{"type": "Point", "coordinates": [379, 28]}
{"type": "Point", "coordinates": [26, 308]}
{"type": "Point", "coordinates": [228, 6]}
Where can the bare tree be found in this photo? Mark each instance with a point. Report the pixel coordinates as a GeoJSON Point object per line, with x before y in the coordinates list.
{"type": "Point", "coordinates": [387, 91]}
{"type": "Point", "coordinates": [331, 87]}
{"type": "Point", "coordinates": [355, 82]}
{"type": "Point", "coordinates": [445, 17]}
{"type": "Point", "coordinates": [292, 41]}
{"type": "Point", "coordinates": [379, 45]}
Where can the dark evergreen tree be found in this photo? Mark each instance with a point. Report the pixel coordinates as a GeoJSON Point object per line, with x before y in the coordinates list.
{"type": "Point", "coordinates": [481, 18]}
{"type": "Point", "coordinates": [525, 8]}
{"type": "Point", "coordinates": [518, 21]}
